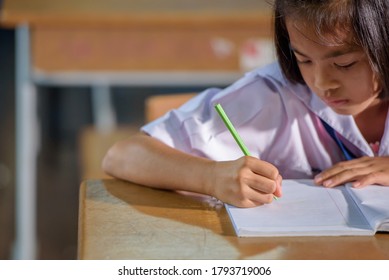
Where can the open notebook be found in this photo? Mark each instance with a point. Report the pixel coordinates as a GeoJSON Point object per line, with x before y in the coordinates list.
{"type": "Point", "coordinates": [309, 210]}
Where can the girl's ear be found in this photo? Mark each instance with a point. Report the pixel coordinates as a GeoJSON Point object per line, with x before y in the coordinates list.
{"type": "Point", "coordinates": [377, 84]}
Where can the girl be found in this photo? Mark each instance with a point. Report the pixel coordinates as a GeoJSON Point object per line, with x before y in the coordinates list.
{"type": "Point", "coordinates": [320, 112]}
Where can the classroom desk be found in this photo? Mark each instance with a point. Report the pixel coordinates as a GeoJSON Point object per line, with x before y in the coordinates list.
{"type": "Point", "coordinates": [107, 43]}
{"type": "Point", "coordinates": [121, 220]}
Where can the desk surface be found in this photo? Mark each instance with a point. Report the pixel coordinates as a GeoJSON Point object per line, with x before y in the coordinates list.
{"type": "Point", "coordinates": [120, 220]}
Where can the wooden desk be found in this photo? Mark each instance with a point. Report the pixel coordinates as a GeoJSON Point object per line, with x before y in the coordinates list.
{"type": "Point", "coordinates": [138, 35]}
{"type": "Point", "coordinates": [116, 43]}
{"type": "Point", "coordinates": [120, 220]}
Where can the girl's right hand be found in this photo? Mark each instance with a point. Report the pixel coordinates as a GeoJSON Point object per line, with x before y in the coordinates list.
{"type": "Point", "coordinates": [246, 182]}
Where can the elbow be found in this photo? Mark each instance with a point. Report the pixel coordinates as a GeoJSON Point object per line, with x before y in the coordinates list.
{"type": "Point", "coordinates": [117, 159]}
{"type": "Point", "coordinates": [120, 161]}
{"type": "Point", "coordinates": [107, 164]}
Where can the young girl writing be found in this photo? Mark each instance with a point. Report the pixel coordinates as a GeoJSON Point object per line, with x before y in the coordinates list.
{"type": "Point", "coordinates": [320, 112]}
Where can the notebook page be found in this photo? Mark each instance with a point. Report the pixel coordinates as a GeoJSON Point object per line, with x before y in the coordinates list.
{"type": "Point", "coordinates": [303, 210]}
{"type": "Point", "coordinates": [374, 203]}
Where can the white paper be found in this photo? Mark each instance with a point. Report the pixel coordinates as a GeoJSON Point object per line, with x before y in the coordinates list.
{"type": "Point", "coordinates": [303, 210]}
{"type": "Point", "coordinates": [374, 203]}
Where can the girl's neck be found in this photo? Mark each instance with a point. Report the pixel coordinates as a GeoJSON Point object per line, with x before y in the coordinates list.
{"type": "Point", "coordinates": [371, 122]}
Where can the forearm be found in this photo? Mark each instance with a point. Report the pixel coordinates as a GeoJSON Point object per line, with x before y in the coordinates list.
{"type": "Point", "coordinates": [244, 182]}
{"type": "Point", "coordinates": [147, 161]}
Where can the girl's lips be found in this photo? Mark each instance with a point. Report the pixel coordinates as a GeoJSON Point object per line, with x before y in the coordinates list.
{"type": "Point", "coordinates": [336, 102]}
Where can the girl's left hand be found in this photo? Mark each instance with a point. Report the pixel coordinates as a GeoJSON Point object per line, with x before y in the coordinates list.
{"type": "Point", "coordinates": [361, 172]}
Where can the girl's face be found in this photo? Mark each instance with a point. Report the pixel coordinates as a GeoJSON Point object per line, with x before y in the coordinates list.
{"type": "Point", "coordinates": [340, 74]}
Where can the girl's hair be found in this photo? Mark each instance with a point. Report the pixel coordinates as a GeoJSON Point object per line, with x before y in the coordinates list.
{"type": "Point", "coordinates": [366, 20]}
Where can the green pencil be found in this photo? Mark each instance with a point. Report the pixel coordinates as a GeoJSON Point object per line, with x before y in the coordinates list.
{"type": "Point", "coordinates": [233, 131]}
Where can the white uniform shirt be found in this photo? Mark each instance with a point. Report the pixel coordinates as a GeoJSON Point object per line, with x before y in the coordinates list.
{"type": "Point", "coordinates": [278, 121]}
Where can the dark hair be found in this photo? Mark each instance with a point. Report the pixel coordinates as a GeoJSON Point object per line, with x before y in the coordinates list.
{"type": "Point", "coordinates": [366, 20]}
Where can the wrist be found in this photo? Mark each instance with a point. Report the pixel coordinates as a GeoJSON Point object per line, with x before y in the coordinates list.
{"type": "Point", "coordinates": [208, 178]}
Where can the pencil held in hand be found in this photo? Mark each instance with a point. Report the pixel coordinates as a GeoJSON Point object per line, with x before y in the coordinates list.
{"type": "Point", "coordinates": [233, 131]}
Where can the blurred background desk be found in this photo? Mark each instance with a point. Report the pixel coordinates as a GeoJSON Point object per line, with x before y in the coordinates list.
{"type": "Point", "coordinates": [101, 44]}
{"type": "Point", "coordinates": [120, 220]}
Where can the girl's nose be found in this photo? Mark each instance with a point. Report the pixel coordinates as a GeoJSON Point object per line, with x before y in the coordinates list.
{"type": "Point", "coordinates": [324, 79]}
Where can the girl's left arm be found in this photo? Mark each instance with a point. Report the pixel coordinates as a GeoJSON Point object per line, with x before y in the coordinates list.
{"type": "Point", "coordinates": [361, 172]}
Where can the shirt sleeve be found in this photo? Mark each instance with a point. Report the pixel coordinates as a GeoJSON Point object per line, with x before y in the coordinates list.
{"type": "Point", "coordinates": [250, 103]}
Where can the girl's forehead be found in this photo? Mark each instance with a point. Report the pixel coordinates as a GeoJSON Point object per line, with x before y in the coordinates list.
{"type": "Point", "coordinates": [322, 35]}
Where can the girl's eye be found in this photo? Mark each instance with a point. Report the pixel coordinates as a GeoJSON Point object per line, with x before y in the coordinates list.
{"type": "Point", "coordinates": [303, 61]}
{"type": "Point", "coordinates": [346, 65]}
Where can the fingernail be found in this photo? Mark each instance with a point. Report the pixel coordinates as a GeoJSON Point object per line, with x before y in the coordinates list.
{"type": "Point", "coordinates": [327, 183]}
{"type": "Point", "coordinates": [356, 184]}
{"type": "Point", "coordinates": [318, 178]}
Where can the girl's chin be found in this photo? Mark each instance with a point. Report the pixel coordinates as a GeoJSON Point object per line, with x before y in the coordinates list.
{"type": "Point", "coordinates": [345, 111]}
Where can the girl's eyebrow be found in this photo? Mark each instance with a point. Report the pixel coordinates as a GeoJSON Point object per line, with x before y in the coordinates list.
{"type": "Point", "coordinates": [332, 54]}
{"type": "Point", "coordinates": [297, 51]}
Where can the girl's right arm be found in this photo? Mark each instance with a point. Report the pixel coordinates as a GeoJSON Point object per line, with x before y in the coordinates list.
{"type": "Point", "coordinates": [245, 182]}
